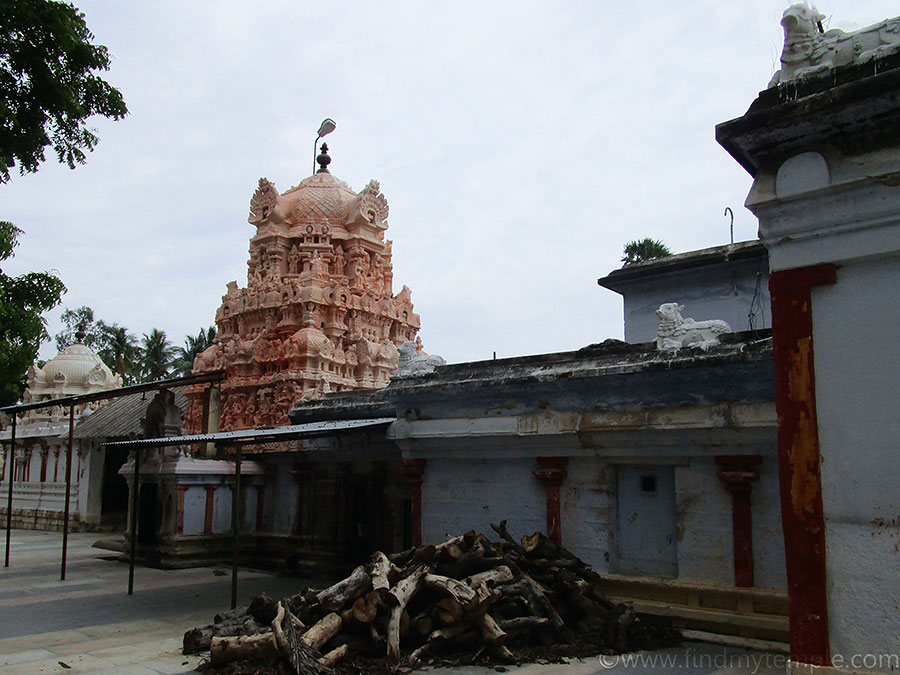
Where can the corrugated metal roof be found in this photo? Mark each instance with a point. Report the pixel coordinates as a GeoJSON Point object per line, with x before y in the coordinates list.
{"type": "Point", "coordinates": [253, 436]}
{"type": "Point", "coordinates": [120, 418]}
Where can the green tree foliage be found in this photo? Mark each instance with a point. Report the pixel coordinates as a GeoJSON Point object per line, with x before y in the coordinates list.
{"type": "Point", "coordinates": [157, 357]}
{"type": "Point", "coordinates": [121, 352]}
{"type": "Point", "coordinates": [184, 364]}
{"type": "Point", "coordinates": [22, 300]}
{"type": "Point", "coordinates": [643, 250]}
{"type": "Point", "coordinates": [81, 318]}
{"type": "Point", "coordinates": [48, 85]}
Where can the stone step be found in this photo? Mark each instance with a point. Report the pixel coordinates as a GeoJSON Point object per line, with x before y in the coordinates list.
{"type": "Point", "coordinates": [755, 613]}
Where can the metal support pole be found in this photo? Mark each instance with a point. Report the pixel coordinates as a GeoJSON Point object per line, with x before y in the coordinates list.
{"type": "Point", "coordinates": [11, 458]}
{"type": "Point", "coordinates": [62, 574]}
{"type": "Point", "coordinates": [235, 525]}
{"type": "Point", "coordinates": [135, 489]}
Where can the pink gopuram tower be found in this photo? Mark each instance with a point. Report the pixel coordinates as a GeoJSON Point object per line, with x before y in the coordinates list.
{"type": "Point", "coordinates": [318, 313]}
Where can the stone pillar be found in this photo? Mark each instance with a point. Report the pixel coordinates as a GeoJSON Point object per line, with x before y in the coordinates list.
{"type": "Point", "coordinates": [823, 152]}
{"type": "Point", "coordinates": [552, 473]}
{"type": "Point", "coordinates": [210, 499]}
{"type": "Point", "coordinates": [179, 513]}
{"type": "Point", "coordinates": [737, 473]}
{"type": "Point", "coordinates": [413, 471]}
{"type": "Point", "coordinates": [45, 451]}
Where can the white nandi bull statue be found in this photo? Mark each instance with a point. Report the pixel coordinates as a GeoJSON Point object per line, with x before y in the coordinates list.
{"type": "Point", "coordinates": [676, 332]}
{"type": "Point", "coordinates": [412, 362]}
{"type": "Point", "coordinates": [808, 51]}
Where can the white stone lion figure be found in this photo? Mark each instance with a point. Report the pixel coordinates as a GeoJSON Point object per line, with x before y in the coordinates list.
{"type": "Point", "coordinates": [808, 51]}
{"type": "Point", "coordinates": [676, 332]}
{"type": "Point", "coordinates": [413, 362]}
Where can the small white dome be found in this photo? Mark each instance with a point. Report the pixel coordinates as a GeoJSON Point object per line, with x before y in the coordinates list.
{"type": "Point", "coordinates": [77, 365]}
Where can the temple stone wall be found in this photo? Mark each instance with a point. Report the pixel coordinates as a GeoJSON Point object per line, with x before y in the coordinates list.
{"type": "Point", "coordinates": [460, 494]}
{"type": "Point", "coordinates": [588, 505]}
{"type": "Point", "coordinates": [704, 529]}
{"type": "Point", "coordinates": [858, 436]}
{"type": "Point", "coordinates": [465, 493]}
{"type": "Point", "coordinates": [768, 534]}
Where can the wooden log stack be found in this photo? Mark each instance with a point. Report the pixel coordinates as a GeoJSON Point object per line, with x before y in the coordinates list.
{"type": "Point", "coordinates": [486, 598]}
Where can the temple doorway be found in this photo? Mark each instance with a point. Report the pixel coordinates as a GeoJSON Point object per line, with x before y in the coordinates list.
{"type": "Point", "coordinates": [114, 492]}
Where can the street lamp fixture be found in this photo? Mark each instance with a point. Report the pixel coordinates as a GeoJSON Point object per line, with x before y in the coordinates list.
{"type": "Point", "coordinates": [328, 125]}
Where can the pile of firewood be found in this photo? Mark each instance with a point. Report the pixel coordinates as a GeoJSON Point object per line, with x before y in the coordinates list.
{"type": "Point", "coordinates": [468, 593]}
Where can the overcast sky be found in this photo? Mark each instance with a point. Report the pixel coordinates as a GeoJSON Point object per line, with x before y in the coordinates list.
{"type": "Point", "coordinates": [520, 145]}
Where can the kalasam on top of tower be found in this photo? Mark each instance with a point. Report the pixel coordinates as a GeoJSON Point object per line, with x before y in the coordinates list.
{"type": "Point", "coordinates": [318, 313]}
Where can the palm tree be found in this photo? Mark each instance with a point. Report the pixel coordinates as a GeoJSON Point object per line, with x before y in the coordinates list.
{"type": "Point", "coordinates": [122, 352]}
{"type": "Point", "coordinates": [158, 354]}
{"type": "Point", "coordinates": [645, 249]}
{"type": "Point", "coordinates": [184, 364]}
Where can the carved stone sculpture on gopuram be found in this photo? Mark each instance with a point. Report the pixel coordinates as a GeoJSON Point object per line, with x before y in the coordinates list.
{"type": "Point", "coordinates": [318, 313]}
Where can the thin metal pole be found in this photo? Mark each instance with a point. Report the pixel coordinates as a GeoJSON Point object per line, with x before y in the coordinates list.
{"type": "Point", "coordinates": [235, 525]}
{"type": "Point", "coordinates": [62, 574]}
{"type": "Point", "coordinates": [135, 489]}
{"type": "Point", "coordinates": [11, 458]}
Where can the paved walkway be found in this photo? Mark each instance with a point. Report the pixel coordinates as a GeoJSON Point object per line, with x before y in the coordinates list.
{"type": "Point", "coordinates": [88, 623]}
{"type": "Point", "coordinates": [91, 624]}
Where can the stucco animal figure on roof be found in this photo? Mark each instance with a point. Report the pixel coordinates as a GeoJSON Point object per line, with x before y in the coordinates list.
{"type": "Point", "coordinates": [676, 331]}
{"type": "Point", "coordinates": [808, 51]}
{"type": "Point", "coordinates": [414, 362]}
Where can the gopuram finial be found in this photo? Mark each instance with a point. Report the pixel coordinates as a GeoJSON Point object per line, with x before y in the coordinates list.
{"type": "Point", "coordinates": [323, 159]}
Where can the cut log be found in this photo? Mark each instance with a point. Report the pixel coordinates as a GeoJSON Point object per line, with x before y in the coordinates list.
{"type": "Point", "coordinates": [448, 610]}
{"type": "Point", "coordinates": [344, 591]}
{"type": "Point", "coordinates": [323, 630]}
{"type": "Point", "coordinates": [534, 595]}
{"type": "Point", "coordinates": [425, 554]}
{"type": "Point", "coordinates": [404, 623]}
{"type": "Point", "coordinates": [399, 596]}
{"type": "Point", "coordinates": [303, 658]}
{"type": "Point", "coordinates": [417, 657]}
{"type": "Point", "coordinates": [460, 591]}
{"type": "Point", "coordinates": [334, 656]}
{"type": "Point", "coordinates": [506, 536]}
{"type": "Point", "coordinates": [471, 562]}
{"type": "Point", "coordinates": [490, 631]}
{"type": "Point", "coordinates": [539, 599]}
{"type": "Point", "coordinates": [260, 647]}
{"type": "Point", "coordinates": [379, 569]}
{"type": "Point", "coordinates": [523, 623]}
{"type": "Point", "coordinates": [198, 640]}
{"type": "Point", "coordinates": [449, 632]}
{"type": "Point", "coordinates": [490, 578]}
{"type": "Point", "coordinates": [230, 615]}
{"type": "Point", "coordinates": [456, 546]}
{"type": "Point", "coordinates": [365, 608]}
{"type": "Point", "coordinates": [262, 608]}
{"type": "Point", "coordinates": [422, 624]}
{"type": "Point", "coordinates": [484, 598]}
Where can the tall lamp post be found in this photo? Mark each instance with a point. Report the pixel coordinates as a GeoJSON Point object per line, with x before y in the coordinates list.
{"type": "Point", "coordinates": [328, 125]}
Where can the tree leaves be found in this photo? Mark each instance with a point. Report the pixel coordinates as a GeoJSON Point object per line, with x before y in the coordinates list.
{"type": "Point", "coordinates": [643, 250]}
{"type": "Point", "coordinates": [48, 88]}
{"type": "Point", "coordinates": [22, 328]}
